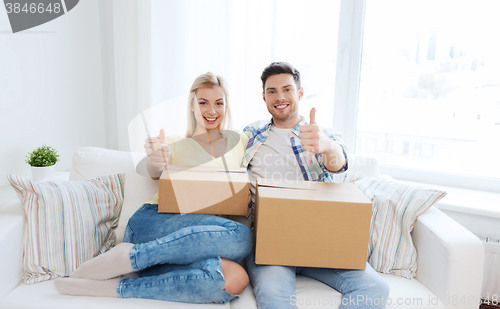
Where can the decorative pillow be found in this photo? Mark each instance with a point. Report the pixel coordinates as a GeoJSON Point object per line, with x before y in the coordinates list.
{"type": "Point", "coordinates": [396, 207]}
{"type": "Point", "coordinates": [90, 162]}
{"type": "Point", "coordinates": [68, 223]}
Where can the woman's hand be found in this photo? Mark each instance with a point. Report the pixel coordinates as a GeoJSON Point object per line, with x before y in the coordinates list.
{"type": "Point", "coordinates": [158, 152]}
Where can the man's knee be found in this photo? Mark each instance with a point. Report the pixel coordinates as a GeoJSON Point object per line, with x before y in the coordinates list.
{"type": "Point", "coordinates": [378, 288]}
{"type": "Point", "coordinates": [247, 240]}
{"type": "Point", "coordinates": [243, 240]}
{"type": "Point", "coordinates": [235, 276]}
{"type": "Point", "coordinates": [382, 288]}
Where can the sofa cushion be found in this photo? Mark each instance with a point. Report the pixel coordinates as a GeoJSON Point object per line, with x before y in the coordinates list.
{"type": "Point", "coordinates": [312, 294]}
{"type": "Point", "coordinates": [396, 207]}
{"type": "Point", "coordinates": [90, 162]}
{"type": "Point", "coordinates": [404, 293]}
{"type": "Point", "coordinates": [68, 223]}
{"type": "Point", "coordinates": [44, 295]}
{"type": "Point", "coordinates": [410, 294]}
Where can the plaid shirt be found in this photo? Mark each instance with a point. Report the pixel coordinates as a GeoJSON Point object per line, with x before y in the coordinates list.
{"type": "Point", "coordinates": [311, 165]}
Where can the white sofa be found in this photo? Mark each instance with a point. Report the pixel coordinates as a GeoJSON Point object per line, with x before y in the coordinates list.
{"type": "Point", "coordinates": [450, 258]}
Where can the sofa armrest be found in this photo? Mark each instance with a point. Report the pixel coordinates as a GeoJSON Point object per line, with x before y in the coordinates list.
{"type": "Point", "coordinates": [11, 235]}
{"type": "Point", "coordinates": [450, 260]}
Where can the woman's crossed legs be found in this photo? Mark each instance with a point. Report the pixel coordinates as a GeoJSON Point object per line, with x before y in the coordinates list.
{"type": "Point", "coordinates": [189, 251]}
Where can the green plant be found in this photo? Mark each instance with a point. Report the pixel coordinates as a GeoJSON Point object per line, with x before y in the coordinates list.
{"type": "Point", "coordinates": [42, 156]}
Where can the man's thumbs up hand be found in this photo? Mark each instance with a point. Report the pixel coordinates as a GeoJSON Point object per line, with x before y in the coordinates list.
{"type": "Point", "coordinates": [312, 137]}
{"type": "Point", "coordinates": [312, 116]}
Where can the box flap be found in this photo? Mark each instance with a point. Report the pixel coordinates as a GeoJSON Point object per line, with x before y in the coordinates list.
{"type": "Point", "coordinates": [204, 168]}
{"type": "Point", "coordinates": [304, 190]}
{"type": "Point", "coordinates": [204, 173]}
{"type": "Point", "coordinates": [202, 189]}
{"type": "Point", "coordinates": [304, 185]}
{"type": "Point", "coordinates": [313, 195]}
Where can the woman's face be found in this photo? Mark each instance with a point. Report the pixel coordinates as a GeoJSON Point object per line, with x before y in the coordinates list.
{"type": "Point", "coordinates": [209, 108]}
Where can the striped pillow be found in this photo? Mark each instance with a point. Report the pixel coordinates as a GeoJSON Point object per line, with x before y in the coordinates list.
{"type": "Point", "coordinates": [68, 223]}
{"type": "Point", "coordinates": [396, 207]}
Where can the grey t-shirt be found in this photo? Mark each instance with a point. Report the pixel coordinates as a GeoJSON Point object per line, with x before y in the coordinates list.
{"type": "Point", "coordinates": [275, 159]}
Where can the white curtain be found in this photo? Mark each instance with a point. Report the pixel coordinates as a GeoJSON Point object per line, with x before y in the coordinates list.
{"type": "Point", "coordinates": [238, 39]}
{"type": "Point", "coordinates": [154, 49]}
{"type": "Point", "coordinates": [126, 61]}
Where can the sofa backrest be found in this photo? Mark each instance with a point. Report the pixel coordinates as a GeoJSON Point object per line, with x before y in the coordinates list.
{"type": "Point", "coordinates": [363, 166]}
{"type": "Point", "coordinates": [91, 162]}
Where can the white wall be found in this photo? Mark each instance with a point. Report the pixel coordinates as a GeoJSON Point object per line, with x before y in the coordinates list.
{"type": "Point", "coordinates": [50, 88]}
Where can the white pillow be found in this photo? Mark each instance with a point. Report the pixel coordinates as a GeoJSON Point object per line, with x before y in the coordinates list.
{"type": "Point", "coordinates": [68, 223]}
{"type": "Point", "coordinates": [396, 207]}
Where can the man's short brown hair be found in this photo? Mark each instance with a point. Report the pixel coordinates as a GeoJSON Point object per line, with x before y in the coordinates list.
{"type": "Point", "coordinates": [276, 68]}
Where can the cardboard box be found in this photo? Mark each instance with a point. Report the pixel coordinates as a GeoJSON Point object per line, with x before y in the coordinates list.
{"type": "Point", "coordinates": [313, 224]}
{"type": "Point", "coordinates": [204, 190]}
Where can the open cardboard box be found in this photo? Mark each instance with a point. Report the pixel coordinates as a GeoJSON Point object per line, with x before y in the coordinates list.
{"type": "Point", "coordinates": [315, 224]}
{"type": "Point", "coordinates": [204, 190]}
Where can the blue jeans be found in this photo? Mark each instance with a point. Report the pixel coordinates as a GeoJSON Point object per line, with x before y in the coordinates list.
{"type": "Point", "coordinates": [274, 286]}
{"type": "Point", "coordinates": [178, 256]}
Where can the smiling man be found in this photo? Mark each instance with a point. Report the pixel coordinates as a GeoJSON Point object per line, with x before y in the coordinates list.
{"type": "Point", "coordinates": [289, 148]}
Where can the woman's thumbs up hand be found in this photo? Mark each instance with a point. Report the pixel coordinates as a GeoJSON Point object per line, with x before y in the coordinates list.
{"type": "Point", "coordinates": [158, 150]}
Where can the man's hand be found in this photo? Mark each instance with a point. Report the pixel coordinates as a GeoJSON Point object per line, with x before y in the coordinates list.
{"type": "Point", "coordinates": [158, 152]}
{"type": "Point", "coordinates": [313, 139]}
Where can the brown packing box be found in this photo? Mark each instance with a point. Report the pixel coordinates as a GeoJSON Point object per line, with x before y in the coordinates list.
{"type": "Point", "coordinates": [204, 190]}
{"type": "Point", "coordinates": [312, 224]}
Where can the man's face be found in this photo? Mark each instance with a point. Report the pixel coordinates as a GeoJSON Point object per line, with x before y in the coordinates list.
{"type": "Point", "coordinates": [282, 99]}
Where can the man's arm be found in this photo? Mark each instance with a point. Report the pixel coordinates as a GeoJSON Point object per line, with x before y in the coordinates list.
{"type": "Point", "coordinates": [313, 139]}
{"type": "Point", "coordinates": [333, 157]}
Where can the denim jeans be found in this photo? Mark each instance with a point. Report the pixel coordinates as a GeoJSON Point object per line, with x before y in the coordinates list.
{"type": "Point", "coordinates": [274, 286]}
{"type": "Point", "coordinates": [178, 256]}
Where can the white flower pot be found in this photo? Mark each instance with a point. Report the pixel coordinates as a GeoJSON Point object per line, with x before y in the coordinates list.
{"type": "Point", "coordinates": [40, 173]}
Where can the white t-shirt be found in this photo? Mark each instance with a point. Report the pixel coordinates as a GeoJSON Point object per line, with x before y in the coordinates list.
{"type": "Point", "coordinates": [275, 159]}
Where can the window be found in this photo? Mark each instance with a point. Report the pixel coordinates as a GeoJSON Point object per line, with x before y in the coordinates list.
{"type": "Point", "coordinates": [429, 89]}
{"type": "Point", "coordinates": [412, 83]}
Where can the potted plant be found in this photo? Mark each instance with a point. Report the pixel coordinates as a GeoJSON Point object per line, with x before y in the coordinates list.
{"type": "Point", "coordinates": [42, 161]}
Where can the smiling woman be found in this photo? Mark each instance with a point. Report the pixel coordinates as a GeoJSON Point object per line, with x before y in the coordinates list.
{"type": "Point", "coordinates": [209, 111]}
{"type": "Point", "coordinates": [208, 107]}
{"type": "Point", "coordinates": [189, 257]}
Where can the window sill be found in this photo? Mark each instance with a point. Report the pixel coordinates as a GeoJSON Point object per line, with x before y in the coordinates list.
{"type": "Point", "coordinates": [481, 203]}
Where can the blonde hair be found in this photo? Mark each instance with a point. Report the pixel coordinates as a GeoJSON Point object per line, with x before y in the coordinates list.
{"type": "Point", "coordinates": [207, 80]}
